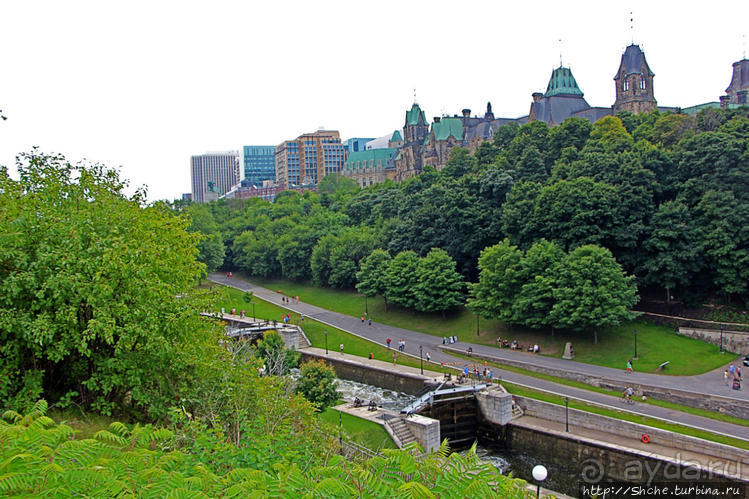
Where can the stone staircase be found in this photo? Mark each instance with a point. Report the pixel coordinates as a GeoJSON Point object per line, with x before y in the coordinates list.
{"type": "Point", "coordinates": [401, 432]}
{"type": "Point", "coordinates": [517, 411]}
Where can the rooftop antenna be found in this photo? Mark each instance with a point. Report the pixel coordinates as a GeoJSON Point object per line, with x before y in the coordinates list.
{"type": "Point", "coordinates": [743, 44]}
{"type": "Point", "coordinates": [415, 96]}
{"type": "Point", "coordinates": [560, 52]}
{"type": "Point", "coordinates": [632, 26]}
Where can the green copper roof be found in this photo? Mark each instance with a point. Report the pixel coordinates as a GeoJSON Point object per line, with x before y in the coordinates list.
{"type": "Point", "coordinates": [412, 116]}
{"type": "Point", "coordinates": [562, 83]}
{"type": "Point", "coordinates": [447, 127]}
{"type": "Point", "coordinates": [396, 137]}
{"type": "Point", "coordinates": [372, 154]}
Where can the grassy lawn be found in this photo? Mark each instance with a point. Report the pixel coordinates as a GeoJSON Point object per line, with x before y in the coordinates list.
{"type": "Point", "coordinates": [315, 331]}
{"type": "Point", "coordinates": [626, 416]}
{"type": "Point", "coordinates": [363, 432]}
{"type": "Point", "coordinates": [655, 344]}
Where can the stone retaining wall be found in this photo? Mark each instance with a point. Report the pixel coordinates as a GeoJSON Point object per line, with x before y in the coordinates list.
{"type": "Point", "coordinates": [348, 367]}
{"type": "Point", "coordinates": [552, 412]}
{"type": "Point", "coordinates": [733, 341]}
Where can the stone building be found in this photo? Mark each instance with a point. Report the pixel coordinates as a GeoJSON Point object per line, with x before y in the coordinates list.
{"type": "Point", "coordinates": [634, 83]}
{"type": "Point", "coordinates": [371, 166]}
{"type": "Point", "coordinates": [737, 92]}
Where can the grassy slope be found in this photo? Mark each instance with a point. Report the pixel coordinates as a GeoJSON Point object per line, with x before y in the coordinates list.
{"type": "Point", "coordinates": [361, 431]}
{"type": "Point", "coordinates": [655, 344]}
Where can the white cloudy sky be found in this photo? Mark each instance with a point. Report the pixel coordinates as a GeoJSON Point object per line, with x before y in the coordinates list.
{"type": "Point", "coordinates": [145, 84]}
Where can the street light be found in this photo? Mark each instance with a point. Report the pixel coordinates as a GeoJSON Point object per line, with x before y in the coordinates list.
{"type": "Point", "coordinates": [539, 474]}
{"type": "Point", "coordinates": [326, 342]}
{"type": "Point", "coordinates": [477, 324]}
{"type": "Point", "coordinates": [635, 357]}
{"type": "Point", "coordinates": [567, 414]}
{"type": "Point", "coordinates": [721, 338]}
{"type": "Point", "coordinates": [421, 360]}
{"type": "Point", "coordinates": [366, 306]}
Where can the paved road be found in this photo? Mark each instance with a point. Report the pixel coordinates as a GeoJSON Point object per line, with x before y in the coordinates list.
{"type": "Point", "coordinates": [380, 332]}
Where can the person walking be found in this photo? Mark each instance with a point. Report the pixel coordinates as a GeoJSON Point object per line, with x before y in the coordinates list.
{"type": "Point", "coordinates": [429, 357]}
{"type": "Point", "coordinates": [629, 366]}
{"type": "Point", "coordinates": [725, 377]}
{"type": "Point", "coordinates": [370, 322]}
{"type": "Point", "coordinates": [395, 357]}
{"type": "Point", "coordinates": [387, 340]}
{"type": "Point", "coordinates": [732, 370]}
{"type": "Point", "coordinates": [341, 347]}
{"type": "Point", "coordinates": [362, 319]}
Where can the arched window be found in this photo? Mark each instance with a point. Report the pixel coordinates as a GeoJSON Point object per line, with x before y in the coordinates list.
{"type": "Point", "coordinates": [642, 83]}
{"type": "Point", "coordinates": [625, 85]}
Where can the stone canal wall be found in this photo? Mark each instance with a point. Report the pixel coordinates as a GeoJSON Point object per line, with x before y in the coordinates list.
{"type": "Point", "coordinates": [348, 367]}
{"type": "Point", "coordinates": [733, 341]}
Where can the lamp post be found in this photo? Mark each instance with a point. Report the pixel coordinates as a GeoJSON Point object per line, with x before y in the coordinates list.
{"type": "Point", "coordinates": [366, 305]}
{"type": "Point", "coordinates": [539, 475]}
{"type": "Point", "coordinates": [421, 359]}
{"type": "Point", "coordinates": [477, 324]}
{"type": "Point", "coordinates": [567, 414]}
{"type": "Point", "coordinates": [635, 357]}
{"type": "Point", "coordinates": [326, 342]}
{"type": "Point", "coordinates": [721, 338]}
{"type": "Point", "coordinates": [254, 318]}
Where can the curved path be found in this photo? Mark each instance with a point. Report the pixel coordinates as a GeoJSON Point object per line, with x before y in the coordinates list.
{"type": "Point", "coordinates": [432, 344]}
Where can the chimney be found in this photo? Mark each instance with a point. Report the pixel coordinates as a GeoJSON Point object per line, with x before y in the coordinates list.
{"type": "Point", "coordinates": [436, 119]}
{"type": "Point", "coordinates": [466, 113]}
{"type": "Point", "coordinates": [537, 96]}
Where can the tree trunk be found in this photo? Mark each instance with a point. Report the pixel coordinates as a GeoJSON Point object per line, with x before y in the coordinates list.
{"type": "Point", "coordinates": [386, 303]}
{"type": "Point", "coordinates": [595, 336]}
{"type": "Point", "coordinates": [668, 296]}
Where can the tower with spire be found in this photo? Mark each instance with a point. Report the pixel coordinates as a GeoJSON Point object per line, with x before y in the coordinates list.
{"type": "Point", "coordinates": [737, 92]}
{"type": "Point", "coordinates": [634, 83]}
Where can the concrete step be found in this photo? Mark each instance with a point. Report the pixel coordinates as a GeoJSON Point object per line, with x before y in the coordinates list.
{"type": "Point", "coordinates": [401, 431]}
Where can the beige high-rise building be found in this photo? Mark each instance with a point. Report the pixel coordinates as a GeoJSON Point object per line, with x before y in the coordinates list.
{"type": "Point", "coordinates": [308, 158]}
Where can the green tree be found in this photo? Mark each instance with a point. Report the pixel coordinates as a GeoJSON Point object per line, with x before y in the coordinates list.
{"type": "Point", "coordinates": [317, 383]}
{"type": "Point", "coordinates": [591, 291]}
{"type": "Point", "coordinates": [402, 276]}
{"type": "Point", "coordinates": [372, 278]}
{"type": "Point", "coordinates": [278, 359]}
{"type": "Point", "coordinates": [97, 290]}
{"type": "Point", "coordinates": [500, 279]}
{"type": "Point", "coordinates": [670, 252]}
{"type": "Point", "coordinates": [439, 287]}
{"type": "Point", "coordinates": [533, 303]}
{"type": "Point", "coordinates": [211, 249]}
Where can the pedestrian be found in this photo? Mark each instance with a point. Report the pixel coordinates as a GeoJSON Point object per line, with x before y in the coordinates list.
{"type": "Point", "coordinates": [456, 338]}
{"type": "Point", "coordinates": [387, 340]}
{"type": "Point", "coordinates": [725, 377]}
{"type": "Point", "coordinates": [429, 357]}
{"type": "Point", "coordinates": [370, 322]}
{"type": "Point", "coordinates": [297, 299]}
{"type": "Point", "coordinates": [341, 347]}
{"type": "Point", "coordinates": [241, 314]}
{"type": "Point", "coordinates": [444, 340]}
{"type": "Point", "coordinates": [404, 345]}
{"type": "Point", "coordinates": [629, 366]}
{"type": "Point", "coordinates": [371, 355]}
{"type": "Point", "coordinates": [302, 315]}
{"type": "Point", "coordinates": [395, 357]}
{"type": "Point", "coordinates": [362, 319]}
{"type": "Point", "coordinates": [738, 372]}
{"type": "Point", "coordinates": [732, 370]}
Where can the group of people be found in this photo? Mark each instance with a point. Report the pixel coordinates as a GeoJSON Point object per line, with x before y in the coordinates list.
{"type": "Point", "coordinates": [478, 373]}
{"type": "Point", "coordinates": [286, 318]}
{"type": "Point", "coordinates": [234, 312]}
{"type": "Point", "coordinates": [514, 345]}
{"type": "Point", "coordinates": [449, 340]}
{"type": "Point", "coordinates": [370, 323]}
{"type": "Point", "coordinates": [732, 376]}
{"type": "Point", "coordinates": [286, 299]}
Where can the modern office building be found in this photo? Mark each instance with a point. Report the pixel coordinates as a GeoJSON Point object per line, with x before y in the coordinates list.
{"type": "Point", "coordinates": [308, 158]}
{"type": "Point", "coordinates": [259, 164]}
{"type": "Point", "coordinates": [219, 169]}
{"type": "Point", "coordinates": [355, 144]}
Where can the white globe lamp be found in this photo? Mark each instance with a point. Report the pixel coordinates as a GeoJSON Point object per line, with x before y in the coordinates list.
{"type": "Point", "coordinates": [539, 475]}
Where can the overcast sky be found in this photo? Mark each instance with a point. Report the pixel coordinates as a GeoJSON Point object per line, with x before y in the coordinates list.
{"type": "Point", "coordinates": [145, 85]}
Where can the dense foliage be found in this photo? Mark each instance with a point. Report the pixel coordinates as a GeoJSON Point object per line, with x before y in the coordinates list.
{"type": "Point", "coordinates": [666, 194]}
{"type": "Point", "coordinates": [41, 458]}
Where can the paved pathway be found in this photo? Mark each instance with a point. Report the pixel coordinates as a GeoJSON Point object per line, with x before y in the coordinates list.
{"type": "Point", "coordinates": [380, 332]}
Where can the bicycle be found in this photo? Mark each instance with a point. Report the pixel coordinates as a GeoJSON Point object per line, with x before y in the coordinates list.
{"type": "Point", "coordinates": [627, 399]}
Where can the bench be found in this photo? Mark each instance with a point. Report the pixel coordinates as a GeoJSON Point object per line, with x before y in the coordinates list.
{"type": "Point", "coordinates": [662, 366]}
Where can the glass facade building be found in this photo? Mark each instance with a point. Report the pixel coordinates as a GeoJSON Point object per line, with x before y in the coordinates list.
{"type": "Point", "coordinates": [308, 158]}
{"type": "Point", "coordinates": [259, 164]}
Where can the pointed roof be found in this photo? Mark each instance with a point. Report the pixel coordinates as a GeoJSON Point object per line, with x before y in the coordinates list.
{"type": "Point", "coordinates": [397, 137]}
{"type": "Point", "coordinates": [740, 77]}
{"type": "Point", "coordinates": [412, 116]}
{"type": "Point", "coordinates": [562, 83]}
{"type": "Point", "coordinates": [634, 61]}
